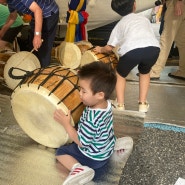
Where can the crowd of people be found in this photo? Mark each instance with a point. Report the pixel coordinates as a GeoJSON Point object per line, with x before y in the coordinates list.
{"type": "Point", "coordinates": [94, 141]}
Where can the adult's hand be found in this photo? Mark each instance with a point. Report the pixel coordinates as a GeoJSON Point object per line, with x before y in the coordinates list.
{"type": "Point", "coordinates": [179, 8]}
{"type": "Point", "coordinates": [37, 42]}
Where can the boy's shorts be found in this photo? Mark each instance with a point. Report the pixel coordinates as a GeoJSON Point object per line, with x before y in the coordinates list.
{"type": "Point", "coordinates": [145, 58]}
{"type": "Point", "coordinates": [72, 150]}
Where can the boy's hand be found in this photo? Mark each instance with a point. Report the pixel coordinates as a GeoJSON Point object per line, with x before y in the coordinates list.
{"type": "Point", "coordinates": [62, 118]}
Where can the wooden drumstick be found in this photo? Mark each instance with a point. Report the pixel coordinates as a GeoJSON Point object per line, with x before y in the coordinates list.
{"type": "Point", "coordinates": [30, 52]}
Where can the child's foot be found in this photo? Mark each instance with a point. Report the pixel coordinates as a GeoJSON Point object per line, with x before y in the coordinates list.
{"type": "Point", "coordinates": [80, 175]}
{"type": "Point", "coordinates": [117, 106]}
{"type": "Point", "coordinates": [143, 107]}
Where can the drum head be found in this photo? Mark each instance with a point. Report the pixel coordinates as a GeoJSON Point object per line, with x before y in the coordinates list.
{"type": "Point", "coordinates": [69, 55]}
{"type": "Point", "coordinates": [35, 115]}
{"type": "Point", "coordinates": [88, 57]}
{"type": "Point", "coordinates": [23, 60]}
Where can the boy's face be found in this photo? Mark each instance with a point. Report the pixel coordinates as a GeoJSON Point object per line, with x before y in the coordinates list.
{"type": "Point", "coordinates": [86, 94]}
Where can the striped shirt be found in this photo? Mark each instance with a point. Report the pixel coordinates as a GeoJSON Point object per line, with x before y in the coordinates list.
{"type": "Point", "coordinates": [96, 134]}
{"type": "Point", "coordinates": [48, 6]}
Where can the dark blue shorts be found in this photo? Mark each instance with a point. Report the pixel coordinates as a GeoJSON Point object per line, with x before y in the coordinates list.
{"type": "Point", "coordinates": [145, 58]}
{"type": "Point", "coordinates": [72, 150]}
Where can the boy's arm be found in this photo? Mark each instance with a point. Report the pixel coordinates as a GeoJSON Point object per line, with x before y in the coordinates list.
{"type": "Point", "coordinates": [105, 49]}
{"type": "Point", "coordinates": [65, 121]}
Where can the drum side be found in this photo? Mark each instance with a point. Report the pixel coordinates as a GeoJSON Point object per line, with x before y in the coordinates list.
{"type": "Point", "coordinates": [3, 59]}
{"type": "Point", "coordinates": [63, 83]}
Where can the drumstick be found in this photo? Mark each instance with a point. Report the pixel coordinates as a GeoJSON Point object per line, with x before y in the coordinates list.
{"type": "Point", "coordinates": [27, 55]}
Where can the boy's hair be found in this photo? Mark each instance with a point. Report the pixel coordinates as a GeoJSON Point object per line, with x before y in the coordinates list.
{"type": "Point", "coordinates": [122, 7]}
{"type": "Point", "coordinates": [102, 76]}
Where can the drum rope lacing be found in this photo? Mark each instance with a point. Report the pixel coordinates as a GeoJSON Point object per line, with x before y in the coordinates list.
{"type": "Point", "coordinates": [39, 72]}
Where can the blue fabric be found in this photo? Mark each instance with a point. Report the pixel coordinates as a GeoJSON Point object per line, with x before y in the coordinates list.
{"type": "Point", "coordinates": [48, 6]}
{"type": "Point", "coordinates": [166, 127]}
{"type": "Point", "coordinates": [49, 27]}
{"type": "Point", "coordinates": [74, 3]}
{"type": "Point", "coordinates": [72, 150]}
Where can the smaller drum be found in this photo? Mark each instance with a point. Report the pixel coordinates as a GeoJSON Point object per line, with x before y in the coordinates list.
{"type": "Point", "coordinates": [91, 56]}
{"type": "Point", "coordinates": [84, 46]}
{"type": "Point", "coordinates": [69, 55]}
{"type": "Point", "coordinates": [39, 95]}
{"type": "Point", "coordinates": [4, 56]}
{"type": "Point", "coordinates": [23, 61]}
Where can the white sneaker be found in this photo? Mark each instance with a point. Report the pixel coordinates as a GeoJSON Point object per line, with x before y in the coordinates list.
{"type": "Point", "coordinates": [79, 176]}
{"type": "Point", "coordinates": [122, 149]}
{"type": "Point", "coordinates": [154, 75]}
{"type": "Point", "coordinates": [143, 107]}
{"type": "Point", "coordinates": [117, 106]}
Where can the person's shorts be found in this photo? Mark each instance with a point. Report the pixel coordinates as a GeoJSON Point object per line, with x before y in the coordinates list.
{"type": "Point", "coordinates": [72, 150]}
{"type": "Point", "coordinates": [145, 58]}
{"type": "Point", "coordinates": [11, 33]}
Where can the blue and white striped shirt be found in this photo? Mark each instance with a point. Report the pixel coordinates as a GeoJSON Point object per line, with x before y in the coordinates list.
{"type": "Point", "coordinates": [96, 134]}
{"type": "Point", "coordinates": [48, 6]}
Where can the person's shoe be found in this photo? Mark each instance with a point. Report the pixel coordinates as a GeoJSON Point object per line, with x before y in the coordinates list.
{"type": "Point", "coordinates": [117, 106]}
{"type": "Point", "coordinates": [123, 143]}
{"type": "Point", "coordinates": [178, 75]}
{"type": "Point", "coordinates": [143, 107]}
{"type": "Point", "coordinates": [154, 75]}
{"type": "Point", "coordinates": [80, 175]}
{"type": "Point", "coordinates": [122, 149]}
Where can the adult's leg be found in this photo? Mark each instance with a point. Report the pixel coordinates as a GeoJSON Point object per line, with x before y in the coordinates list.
{"type": "Point", "coordinates": [180, 42]}
{"type": "Point", "coordinates": [48, 35]}
{"type": "Point", "coordinates": [171, 26]}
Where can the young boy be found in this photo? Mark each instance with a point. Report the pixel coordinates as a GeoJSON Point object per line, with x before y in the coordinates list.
{"type": "Point", "coordinates": [137, 44]}
{"type": "Point", "coordinates": [94, 141]}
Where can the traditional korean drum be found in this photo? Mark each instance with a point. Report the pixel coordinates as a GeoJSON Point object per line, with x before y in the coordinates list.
{"type": "Point", "coordinates": [39, 95]}
{"type": "Point", "coordinates": [69, 54]}
{"type": "Point", "coordinates": [22, 62]}
{"type": "Point", "coordinates": [84, 46]}
{"type": "Point", "coordinates": [91, 56]}
{"type": "Point", "coordinates": [4, 56]}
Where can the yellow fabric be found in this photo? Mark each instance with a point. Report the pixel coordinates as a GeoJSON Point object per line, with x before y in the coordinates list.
{"type": "Point", "coordinates": [71, 27]}
{"type": "Point", "coordinates": [73, 20]}
{"type": "Point", "coordinates": [80, 5]}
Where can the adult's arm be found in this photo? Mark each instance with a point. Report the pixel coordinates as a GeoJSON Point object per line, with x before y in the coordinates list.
{"type": "Point", "coordinates": [10, 20]}
{"type": "Point", "coordinates": [37, 40]}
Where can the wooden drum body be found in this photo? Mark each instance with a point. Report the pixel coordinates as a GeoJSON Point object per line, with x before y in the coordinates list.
{"type": "Point", "coordinates": [35, 100]}
{"type": "Point", "coordinates": [3, 59]}
{"type": "Point", "coordinates": [91, 56]}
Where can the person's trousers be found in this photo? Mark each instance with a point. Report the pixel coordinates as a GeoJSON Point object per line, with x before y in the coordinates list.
{"type": "Point", "coordinates": [174, 30]}
{"type": "Point", "coordinates": [49, 27]}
